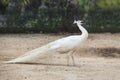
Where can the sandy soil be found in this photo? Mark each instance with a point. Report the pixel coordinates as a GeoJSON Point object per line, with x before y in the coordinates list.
{"type": "Point", "coordinates": [97, 58]}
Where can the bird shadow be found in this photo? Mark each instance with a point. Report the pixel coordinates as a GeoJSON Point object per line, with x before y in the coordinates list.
{"type": "Point", "coordinates": [46, 64]}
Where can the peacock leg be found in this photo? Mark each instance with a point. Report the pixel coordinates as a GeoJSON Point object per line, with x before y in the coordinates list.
{"type": "Point", "coordinates": [72, 57]}
{"type": "Point", "coordinates": [70, 54]}
{"type": "Point", "coordinates": [67, 60]}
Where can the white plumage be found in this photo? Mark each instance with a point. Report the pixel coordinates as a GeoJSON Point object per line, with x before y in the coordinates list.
{"type": "Point", "coordinates": [64, 45]}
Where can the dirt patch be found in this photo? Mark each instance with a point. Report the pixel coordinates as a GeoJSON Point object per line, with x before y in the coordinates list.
{"type": "Point", "coordinates": [13, 45]}
{"type": "Point", "coordinates": [97, 58]}
{"type": "Point", "coordinates": [107, 52]}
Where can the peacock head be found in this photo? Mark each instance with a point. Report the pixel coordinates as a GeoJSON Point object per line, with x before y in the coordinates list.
{"type": "Point", "coordinates": [77, 21]}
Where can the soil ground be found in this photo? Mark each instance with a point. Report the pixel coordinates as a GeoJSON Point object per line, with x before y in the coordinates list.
{"type": "Point", "coordinates": [97, 59]}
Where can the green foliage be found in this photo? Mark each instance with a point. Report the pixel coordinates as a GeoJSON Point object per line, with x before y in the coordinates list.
{"type": "Point", "coordinates": [105, 17]}
{"type": "Point", "coordinates": [87, 5]}
{"type": "Point", "coordinates": [103, 21]}
{"type": "Point", "coordinates": [5, 2]}
{"type": "Point", "coordinates": [57, 15]}
{"type": "Point", "coordinates": [108, 4]}
{"type": "Point", "coordinates": [49, 17]}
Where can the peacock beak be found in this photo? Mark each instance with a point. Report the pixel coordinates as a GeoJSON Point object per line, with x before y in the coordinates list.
{"type": "Point", "coordinates": [75, 21]}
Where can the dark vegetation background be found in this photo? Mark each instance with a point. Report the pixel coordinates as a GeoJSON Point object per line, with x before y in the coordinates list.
{"type": "Point", "coordinates": [53, 16]}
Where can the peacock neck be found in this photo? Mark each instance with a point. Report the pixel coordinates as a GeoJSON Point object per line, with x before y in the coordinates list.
{"type": "Point", "coordinates": [83, 30]}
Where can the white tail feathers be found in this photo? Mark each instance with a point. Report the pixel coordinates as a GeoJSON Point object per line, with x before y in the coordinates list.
{"type": "Point", "coordinates": [29, 56]}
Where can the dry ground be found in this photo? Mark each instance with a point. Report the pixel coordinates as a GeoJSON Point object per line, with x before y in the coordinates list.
{"type": "Point", "coordinates": [97, 58]}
